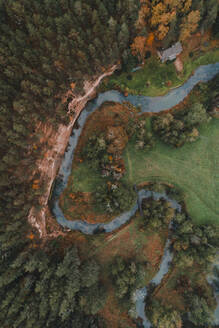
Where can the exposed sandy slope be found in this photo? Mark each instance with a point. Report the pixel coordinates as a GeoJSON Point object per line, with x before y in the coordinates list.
{"type": "Point", "coordinates": [58, 140]}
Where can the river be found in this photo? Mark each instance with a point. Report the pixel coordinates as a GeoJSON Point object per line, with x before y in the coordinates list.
{"type": "Point", "coordinates": [148, 104]}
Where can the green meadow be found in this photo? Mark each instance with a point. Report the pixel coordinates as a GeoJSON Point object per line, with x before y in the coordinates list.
{"type": "Point", "coordinates": [193, 168]}
{"type": "Point", "coordinates": [156, 78]}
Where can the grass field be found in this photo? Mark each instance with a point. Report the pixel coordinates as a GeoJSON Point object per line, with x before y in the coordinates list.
{"type": "Point", "coordinates": [194, 168]}
{"type": "Point", "coordinates": [85, 179]}
{"type": "Point", "coordinates": [152, 79]}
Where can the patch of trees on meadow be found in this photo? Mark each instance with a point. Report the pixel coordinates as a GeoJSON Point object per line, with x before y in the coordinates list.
{"type": "Point", "coordinates": [115, 197]}
{"type": "Point", "coordinates": [103, 152]}
{"type": "Point", "coordinates": [180, 127]}
{"type": "Point", "coordinates": [127, 276]}
{"type": "Point", "coordinates": [143, 138]}
{"type": "Point", "coordinates": [194, 249]}
{"type": "Point", "coordinates": [200, 315]}
{"type": "Point", "coordinates": [194, 246]}
{"type": "Point", "coordinates": [157, 213]}
{"type": "Point", "coordinates": [164, 317]}
{"type": "Point", "coordinates": [193, 243]}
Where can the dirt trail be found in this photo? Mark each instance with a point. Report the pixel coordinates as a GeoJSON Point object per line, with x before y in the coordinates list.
{"type": "Point", "coordinates": [57, 141]}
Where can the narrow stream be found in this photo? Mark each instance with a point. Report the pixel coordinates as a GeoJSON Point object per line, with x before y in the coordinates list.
{"type": "Point", "coordinates": [140, 294]}
{"type": "Point", "coordinates": [210, 279]}
{"type": "Point", "coordinates": [148, 104]}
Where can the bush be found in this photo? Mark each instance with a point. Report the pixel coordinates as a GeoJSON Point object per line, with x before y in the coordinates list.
{"type": "Point", "coordinates": [127, 275]}
{"type": "Point", "coordinates": [115, 197]}
{"type": "Point", "coordinates": [129, 62]}
{"type": "Point", "coordinates": [147, 54]}
{"type": "Point", "coordinates": [144, 139]}
{"type": "Point", "coordinates": [157, 213]}
{"type": "Point", "coordinates": [164, 317]}
{"type": "Point", "coordinates": [178, 128]}
{"type": "Point", "coordinates": [94, 150]}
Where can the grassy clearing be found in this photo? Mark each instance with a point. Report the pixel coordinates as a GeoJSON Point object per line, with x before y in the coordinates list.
{"type": "Point", "coordinates": [156, 78]}
{"type": "Point", "coordinates": [85, 179]}
{"type": "Point", "coordinates": [193, 168]}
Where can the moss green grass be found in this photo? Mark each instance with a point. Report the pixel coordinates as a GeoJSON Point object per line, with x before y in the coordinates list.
{"type": "Point", "coordinates": [85, 179]}
{"type": "Point", "coordinates": [152, 79]}
{"type": "Point", "coordinates": [193, 168]}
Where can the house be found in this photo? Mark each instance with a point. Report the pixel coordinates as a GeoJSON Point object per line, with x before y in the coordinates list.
{"type": "Point", "coordinates": [170, 53]}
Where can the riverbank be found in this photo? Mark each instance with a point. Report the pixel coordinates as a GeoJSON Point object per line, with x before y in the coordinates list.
{"type": "Point", "coordinates": [77, 200]}
{"type": "Point", "coordinates": [155, 78]}
{"type": "Point", "coordinates": [58, 139]}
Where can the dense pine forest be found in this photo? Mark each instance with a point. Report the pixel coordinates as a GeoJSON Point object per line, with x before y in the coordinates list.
{"type": "Point", "coordinates": [48, 47]}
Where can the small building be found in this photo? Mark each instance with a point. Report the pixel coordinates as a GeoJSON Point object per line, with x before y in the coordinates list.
{"type": "Point", "coordinates": [170, 53]}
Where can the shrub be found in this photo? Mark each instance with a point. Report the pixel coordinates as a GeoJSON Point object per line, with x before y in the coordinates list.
{"type": "Point", "coordinates": [148, 54]}
{"type": "Point", "coordinates": [114, 197]}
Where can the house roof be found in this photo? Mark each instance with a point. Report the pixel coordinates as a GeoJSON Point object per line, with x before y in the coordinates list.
{"type": "Point", "coordinates": [171, 52]}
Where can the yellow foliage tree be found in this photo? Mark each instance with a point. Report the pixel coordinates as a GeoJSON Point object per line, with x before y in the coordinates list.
{"type": "Point", "coordinates": [144, 12]}
{"type": "Point", "coordinates": [150, 39]}
{"type": "Point", "coordinates": [162, 31]}
{"type": "Point", "coordinates": [190, 24]}
{"type": "Point", "coordinates": [160, 15]}
{"type": "Point", "coordinates": [72, 85]}
{"type": "Point", "coordinates": [138, 47]}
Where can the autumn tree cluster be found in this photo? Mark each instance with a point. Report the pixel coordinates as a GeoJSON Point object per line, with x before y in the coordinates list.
{"type": "Point", "coordinates": [170, 20]}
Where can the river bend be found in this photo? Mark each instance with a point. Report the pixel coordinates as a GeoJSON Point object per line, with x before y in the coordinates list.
{"type": "Point", "coordinates": [148, 104]}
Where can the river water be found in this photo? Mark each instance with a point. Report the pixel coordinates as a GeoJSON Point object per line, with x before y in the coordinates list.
{"type": "Point", "coordinates": [148, 104]}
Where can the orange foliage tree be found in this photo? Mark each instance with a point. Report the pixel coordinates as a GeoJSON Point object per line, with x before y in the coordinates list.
{"type": "Point", "coordinates": [162, 15]}
{"type": "Point", "coordinates": [159, 16]}
{"type": "Point", "coordinates": [190, 24]}
{"type": "Point", "coordinates": [144, 12]}
{"type": "Point", "coordinates": [138, 47]}
{"type": "Point", "coordinates": [150, 39]}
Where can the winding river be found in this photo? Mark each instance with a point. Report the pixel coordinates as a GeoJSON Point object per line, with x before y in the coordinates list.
{"type": "Point", "coordinates": [148, 104]}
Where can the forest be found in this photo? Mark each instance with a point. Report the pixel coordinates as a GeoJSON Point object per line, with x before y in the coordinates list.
{"type": "Point", "coordinates": [48, 47]}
